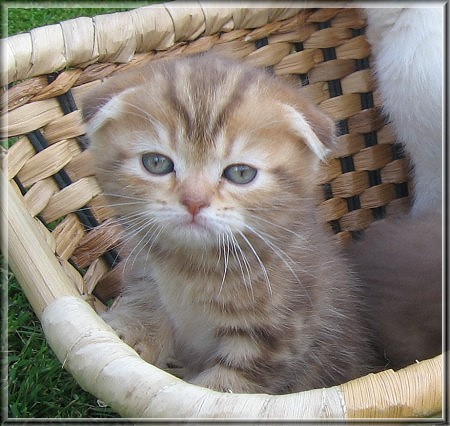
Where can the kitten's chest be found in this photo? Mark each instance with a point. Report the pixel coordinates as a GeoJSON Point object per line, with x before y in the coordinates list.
{"type": "Point", "coordinates": [196, 294]}
{"type": "Point", "coordinates": [189, 305]}
{"type": "Point", "coordinates": [203, 302]}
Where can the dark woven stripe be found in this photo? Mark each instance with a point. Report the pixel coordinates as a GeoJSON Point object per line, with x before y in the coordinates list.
{"type": "Point", "coordinates": [367, 100]}
{"type": "Point", "coordinates": [335, 226]}
{"type": "Point", "coordinates": [379, 212]}
{"type": "Point", "coordinates": [335, 88]}
{"type": "Point", "coordinates": [323, 25]}
{"type": "Point", "coordinates": [398, 151]}
{"type": "Point", "coordinates": [401, 190]}
{"type": "Point", "coordinates": [329, 54]}
{"type": "Point", "coordinates": [347, 164]}
{"type": "Point", "coordinates": [353, 203]}
{"type": "Point", "coordinates": [19, 185]}
{"type": "Point", "coordinates": [358, 31]}
{"type": "Point", "coordinates": [341, 127]}
{"type": "Point", "coordinates": [370, 139]}
{"type": "Point", "coordinates": [362, 64]}
{"type": "Point", "coordinates": [261, 42]}
{"type": "Point", "coordinates": [298, 46]}
{"type": "Point", "coordinates": [67, 104]}
{"type": "Point", "coordinates": [374, 177]}
{"type": "Point", "coordinates": [304, 79]}
{"type": "Point", "coordinates": [327, 191]}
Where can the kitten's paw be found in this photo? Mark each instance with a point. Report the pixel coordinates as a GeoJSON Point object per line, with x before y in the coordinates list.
{"type": "Point", "coordinates": [225, 379]}
{"type": "Point", "coordinates": [154, 344]}
{"type": "Point", "coordinates": [147, 349]}
{"type": "Point", "coordinates": [136, 336]}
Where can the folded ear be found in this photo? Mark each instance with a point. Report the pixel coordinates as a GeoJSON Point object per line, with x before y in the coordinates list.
{"type": "Point", "coordinates": [96, 112]}
{"type": "Point", "coordinates": [316, 128]}
{"type": "Point", "coordinates": [103, 102]}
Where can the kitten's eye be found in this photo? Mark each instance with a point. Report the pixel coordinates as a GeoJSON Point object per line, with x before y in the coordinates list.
{"type": "Point", "coordinates": [239, 173]}
{"type": "Point", "coordinates": [157, 164]}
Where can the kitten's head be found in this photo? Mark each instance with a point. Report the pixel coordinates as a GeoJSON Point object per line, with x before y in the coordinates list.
{"type": "Point", "coordinates": [200, 149]}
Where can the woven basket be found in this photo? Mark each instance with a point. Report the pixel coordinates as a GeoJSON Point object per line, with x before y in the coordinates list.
{"type": "Point", "coordinates": [61, 239]}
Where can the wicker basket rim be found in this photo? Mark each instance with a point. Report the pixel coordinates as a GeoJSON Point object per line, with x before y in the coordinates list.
{"type": "Point", "coordinates": [47, 49]}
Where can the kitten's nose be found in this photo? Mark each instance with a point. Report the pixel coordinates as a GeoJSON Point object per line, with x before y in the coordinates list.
{"type": "Point", "coordinates": [194, 205]}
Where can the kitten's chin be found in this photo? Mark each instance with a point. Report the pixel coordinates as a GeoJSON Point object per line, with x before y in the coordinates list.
{"type": "Point", "coordinates": [193, 234]}
{"type": "Point", "coordinates": [205, 231]}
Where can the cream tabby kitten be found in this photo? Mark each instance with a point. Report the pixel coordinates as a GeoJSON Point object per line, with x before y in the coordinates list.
{"type": "Point", "coordinates": [211, 166]}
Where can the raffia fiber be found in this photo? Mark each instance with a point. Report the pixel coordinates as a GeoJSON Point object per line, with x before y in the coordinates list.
{"type": "Point", "coordinates": [63, 237]}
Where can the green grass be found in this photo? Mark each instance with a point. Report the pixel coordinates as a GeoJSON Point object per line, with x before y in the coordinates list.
{"type": "Point", "coordinates": [35, 17]}
{"type": "Point", "coordinates": [31, 15]}
{"type": "Point", "coordinates": [37, 385]}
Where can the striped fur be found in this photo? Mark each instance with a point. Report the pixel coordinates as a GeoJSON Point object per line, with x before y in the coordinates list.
{"type": "Point", "coordinates": [248, 292]}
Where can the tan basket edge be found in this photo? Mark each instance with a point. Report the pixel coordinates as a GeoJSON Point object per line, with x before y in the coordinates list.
{"type": "Point", "coordinates": [106, 367]}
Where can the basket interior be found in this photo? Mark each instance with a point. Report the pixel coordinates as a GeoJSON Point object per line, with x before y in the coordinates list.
{"type": "Point", "coordinates": [325, 50]}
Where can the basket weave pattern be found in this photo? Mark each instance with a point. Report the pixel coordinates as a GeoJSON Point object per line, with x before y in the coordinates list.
{"type": "Point", "coordinates": [50, 170]}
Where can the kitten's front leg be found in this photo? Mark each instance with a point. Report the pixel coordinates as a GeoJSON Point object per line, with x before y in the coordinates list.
{"type": "Point", "coordinates": [226, 379]}
{"type": "Point", "coordinates": [150, 335]}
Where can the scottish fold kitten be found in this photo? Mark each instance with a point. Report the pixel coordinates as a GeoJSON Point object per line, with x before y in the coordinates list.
{"type": "Point", "coordinates": [400, 259]}
{"type": "Point", "coordinates": [210, 164]}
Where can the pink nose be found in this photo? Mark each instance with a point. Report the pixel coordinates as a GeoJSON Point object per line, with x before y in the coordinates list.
{"type": "Point", "coordinates": [194, 205]}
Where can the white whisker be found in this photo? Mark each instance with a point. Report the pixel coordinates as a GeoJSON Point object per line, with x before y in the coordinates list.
{"type": "Point", "coordinates": [282, 255]}
{"type": "Point", "coordinates": [290, 231]}
{"type": "Point", "coordinates": [149, 227]}
{"type": "Point", "coordinates": [226, 257]}
{"type": "Point", "coordinates": [261, 264]}
{"type": "Point", "coordinates": [127, 197]}
{"type": "Point", "coordinates": [238, 255]}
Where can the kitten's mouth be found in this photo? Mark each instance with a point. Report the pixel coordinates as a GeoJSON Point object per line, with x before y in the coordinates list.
{"type": "Point", "coordinates": [196, 223]}
{"type": "Point", "coordinates": [197, 227]}
{"type": "Point", "coordinates": [195, 230]}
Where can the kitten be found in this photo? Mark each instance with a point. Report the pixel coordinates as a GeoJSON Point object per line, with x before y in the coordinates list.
{"type": "Point", "coordinates": [211, 166]}
{"type": "Point", "coordinates": [408, 55]}
{"type": "Point", "coordinates": [400, 259]}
